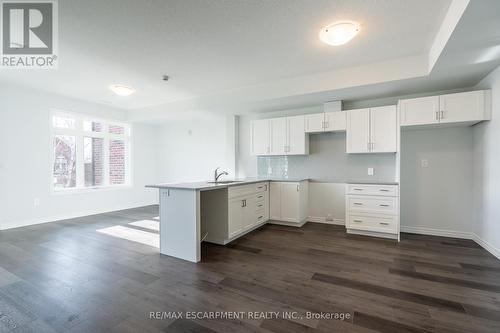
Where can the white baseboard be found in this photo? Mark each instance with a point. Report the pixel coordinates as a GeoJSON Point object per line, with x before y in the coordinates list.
{"type": "Point", "coordinates": [320, 219]}
{"type": "Point", "coordinates": [55, 218]}
{"type": "Point", "coordinates": [486, 245]}
{"type": "Point", "coordinates": [437, 232]}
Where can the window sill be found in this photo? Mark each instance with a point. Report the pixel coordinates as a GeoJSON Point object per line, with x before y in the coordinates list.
{"type": "Point", "coordinates": [83, 190]}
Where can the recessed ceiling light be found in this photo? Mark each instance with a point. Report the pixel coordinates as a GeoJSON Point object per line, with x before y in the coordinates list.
{"type": "Point", "coordinates": [121, 90]}
{"type": "Point", "coordinates": [339, 33]}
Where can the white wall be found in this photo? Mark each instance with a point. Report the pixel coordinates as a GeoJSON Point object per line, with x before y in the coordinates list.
{"type": "Point", "coordinates": [190, 149]}
{"type": "Point", "coordinates": [486, 171]}
{"type": "Point", "coordinates": [437, 199]}
{"type": "Point", "coordinates": [25, 165]}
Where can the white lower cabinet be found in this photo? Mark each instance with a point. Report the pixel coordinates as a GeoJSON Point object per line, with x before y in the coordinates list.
{"type": "Point", "coordinates": [235, 216]}
{"type": "Point", "coordinates": [289, 202]}
{"type": "Point", "coordinates": [373, 210]}
{"type": "Point", "coordinates": [248, 207]}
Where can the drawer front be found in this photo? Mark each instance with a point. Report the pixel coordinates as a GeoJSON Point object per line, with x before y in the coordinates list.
{"type": "Point", "coordinates": [373, 204]}
{"type": "Point", "coordinates": [242, 190]}
{"type": "Point", "coordinates": [387, 224]}
{"type": "Point", "coordinates": [383, 190]}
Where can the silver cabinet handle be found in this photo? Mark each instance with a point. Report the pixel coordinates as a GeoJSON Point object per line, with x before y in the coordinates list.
{"type": "Point", "coordinates": [265, 186]}
{"type": "Point", "coordinates": [260, 196]}
{"type": "Point", "coordinates": [357, 221]}
{"type": "Point", "coordinates": [298, 188]}
{"type": "Point", "coordinates": [384, 190]}
{"type": "Point", "coordinates": [242, 203]}
{"type": "Point", "coordinates": [358, 203]}
{"type": "Point", "coordinates": [437, 115]}
{"type": "Point", "coordinates": [383, 205]}
{"type": "Point", "coordinates": [357, 189]}
{"type": "Point", "coordinates": [383, 223]}
{"type": "Point", "coordinates": [260, 217]}
{"type": "Point", "coordinates": [441, 115]}
{"type": "Point", "coordinates": [327, 124]}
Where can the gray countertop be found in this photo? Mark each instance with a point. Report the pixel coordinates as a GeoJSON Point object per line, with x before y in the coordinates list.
{"type": "Point", "coordinates": [206, 186]}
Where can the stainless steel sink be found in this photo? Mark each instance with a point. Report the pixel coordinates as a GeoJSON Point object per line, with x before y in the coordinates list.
{"type": "Point", "coordinates": [225, 182]}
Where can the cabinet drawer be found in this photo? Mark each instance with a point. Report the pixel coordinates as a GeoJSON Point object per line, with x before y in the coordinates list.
{"type": "Point", "coordinates": [242, 190]}
{"type": "Point", "coordinates": [373, 204]}
{"type": "Point", "coordinates": [365, 189]}
{"type": "Point", "coordinates": [387, 224]}
{"type": "Point", "coordinates": [261, 197]}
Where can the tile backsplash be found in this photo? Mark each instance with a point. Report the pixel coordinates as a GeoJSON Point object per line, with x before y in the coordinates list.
{"type": "Point", "coordinates": [327, 161]}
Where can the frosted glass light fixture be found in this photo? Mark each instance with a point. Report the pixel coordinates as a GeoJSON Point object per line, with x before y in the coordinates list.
{"type": "Point", "coordinates": [121, 90]}
{"type": "Point", "coordinates": [339, 33]}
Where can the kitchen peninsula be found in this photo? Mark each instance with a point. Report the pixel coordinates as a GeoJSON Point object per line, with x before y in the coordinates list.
{"type": "Point", "coordinates": [220, 212]}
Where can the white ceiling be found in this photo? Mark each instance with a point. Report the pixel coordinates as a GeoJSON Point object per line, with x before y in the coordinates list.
{"type": "Point", "coordinates": [212, 48]}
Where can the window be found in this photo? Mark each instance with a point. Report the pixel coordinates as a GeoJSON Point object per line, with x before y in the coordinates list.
{"type": "Point", "coordinates": [88, 153]}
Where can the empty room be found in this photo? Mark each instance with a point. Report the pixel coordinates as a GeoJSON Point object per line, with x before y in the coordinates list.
{"type": "Point", "coordinates": [250, 166]}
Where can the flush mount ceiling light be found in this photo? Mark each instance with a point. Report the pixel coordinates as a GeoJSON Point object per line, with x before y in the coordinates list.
{"type": "Point", "coordinates": [121, 90]}
{"type": "Point", "coordinates": [339, 33]}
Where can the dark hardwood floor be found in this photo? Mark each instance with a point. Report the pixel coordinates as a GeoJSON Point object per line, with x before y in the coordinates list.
{"type": "Point", "coordinates": [69, 277]}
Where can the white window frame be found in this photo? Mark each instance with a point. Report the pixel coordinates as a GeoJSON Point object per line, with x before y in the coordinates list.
{"type": "Point", "coordinates": [79, 133]}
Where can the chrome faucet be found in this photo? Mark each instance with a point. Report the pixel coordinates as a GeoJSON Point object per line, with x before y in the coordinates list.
{"type": "Point", "coordinates": [217, 175]}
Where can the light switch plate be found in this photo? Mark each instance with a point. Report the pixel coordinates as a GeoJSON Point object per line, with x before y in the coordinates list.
{"type": "Point", "coordinates": [424, 163]}
{"type": "Point", "coordinates": [370, 171]}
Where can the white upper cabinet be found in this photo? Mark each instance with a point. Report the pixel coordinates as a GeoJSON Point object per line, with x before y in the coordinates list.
{"type": "Point", "coordinates": [325, 122]}
{"type": "Point", "coordinates": [383, 129]}
{"type": "Point", "coordinates": [464, 107]}
{"type": "Point", "coordinates": [358, 131]}
{"type": "Point", "coordinates": [419, 111]}
{"type": "Point", "coordinates": [278, 136]}
{"type": "Point", "coordinates": [467, 107]}
{"type": "Point", "coordinates": [315, 122]}
{"type": "Point", "coordinates": [335, 121]}
{"type": "Point", "coordinates": [297, 142]}
{"type": "Point", "coordinates": [260, 138]}
{"type": "Point", "coordinates": [372, 130]}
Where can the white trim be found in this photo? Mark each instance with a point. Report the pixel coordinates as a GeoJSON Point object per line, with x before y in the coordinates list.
{"type": "Point", "coordinates": [373, 234]}
{"type": "Point", "coordinates": [437, 232]}
{"type": "Point", "coordinates": [486, 245]}
{"type": "Point", "coordinates": [56, 218]}
{"type": "Point", "coordinates": [322, 219]}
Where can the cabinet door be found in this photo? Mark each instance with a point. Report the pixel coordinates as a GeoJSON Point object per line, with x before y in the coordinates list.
{"type": "Point", "coordinates": [358, 131]}
{"type": "Point", "coordinates": [419, 111]}
{"type": "Point", "coordinates": [275, 201]}
{"type": "Point", "coordinates": [461, 107]}
{"type": "Point", "coordinates": [383, 129]}
{"type": "Point", "coordinates": [249, 214]}
{"type": "Point", "coordinates": [314, 122]}
{"type": "Point", "coordinates": [278, 136]}
{"type": "Point", "coordinates": [260, 137]}
{"type": "Point", "coordinates": [335, 121]}
{"type": "Point", "coordinates": [296, 136]}
{"type": "Point", "coordinates": [290, 193]}
{"type": "Point", "coordinates": [235, 217]}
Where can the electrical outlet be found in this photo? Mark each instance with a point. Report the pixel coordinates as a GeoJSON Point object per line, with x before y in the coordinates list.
{"type": "Point", "coordinates": [36, 202]}
{"type": "Point", "coordinates": [424, 163]}
{"type": "Point", "coordinates": [370, 171]}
